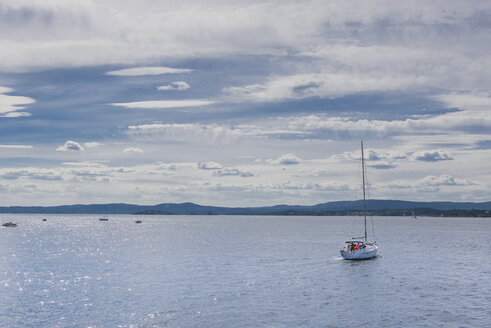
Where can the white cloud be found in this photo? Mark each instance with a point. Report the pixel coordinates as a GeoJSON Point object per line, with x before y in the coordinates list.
{"type": "Point", "coordinates": [466, 100]}
{"type": "Point", "coordinates": [319, 127]}
{"type": "Point", "coordinates": [31, 173]}
{"type": "Point", "coordinates": [322, 85]}
{"type": "Point", "coordinates": [86, 163]}
{"type": "Point", "coordinates": [70, 146]}
{"type": "Point", "coordinates": [232, 172]}
{"type": "Point", "coordinates": [92, 144]}
{"type": "Point", "coordinates": [209, 166]}
{"type": "Point", "coordinates": [179, 86]}
{"type": "Point", "coordinates": [164, 103]}
{"type": "Point", "coordinates": [138, 71]}
{"type": "Point", "coordinates": [443, 180]}
{"type": "Point", "coordinates": [84, 33]}
{"type": "Point", "coordinates": [191, 133]}
{"type": "Point", "coordinates": [16, 114]}
{"type": "Point", "coordinates": [132, 150]}
{"type": "Point", "coordinates": [461, 121]}
{"type": "Point", "coordinates": [286, 159]}
{"type": "Point", "coordinates": [424, 156]}
{"type": "Point", "coordinates": [388, 159]}
{"type": "Point", "coordinates": [431, 156]}
{"type": "Point", "coordinates": [16, 146]}
{"type": "Point", "coordinates": [247, 90]}
{"type": "Point", "coordinates": [431, 181]}
{"type": "Point", "coordinates": [10, 106]}
{"type": "Point", "coordinates": [334, 186]}
{"type": "Point", "coordinates": [350, 48]}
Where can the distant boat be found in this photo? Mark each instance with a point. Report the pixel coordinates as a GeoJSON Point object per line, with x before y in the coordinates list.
{"type": "Point", "coordinates": [413, 215]}
{"type": "Point", "coordinates": [44, 220]}
{"type": "Point", "coordinates": [9, 225]}
{"type": "Point", "coordinates": [138, 221]}
{"type": "Point", "coordinates": [104, 218]}
{"type": "Point", "coordinates": [359, 248]}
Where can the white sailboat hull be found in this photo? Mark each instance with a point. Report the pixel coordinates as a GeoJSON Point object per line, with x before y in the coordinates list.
{"type": "Point", "coordinates": [370, 251]}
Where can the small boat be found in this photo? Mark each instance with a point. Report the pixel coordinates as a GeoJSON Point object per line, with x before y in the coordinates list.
{"type": "Point", "coordinates": [413, 215]}
{"type": "Point", "coordinates": [138, 221]}
{"type": "Point", "coordinates": [9, 225]}
{"type": "Point", "coordinates": [359, 248]}
{"type": "Point", "coordinates": [104, 218]}
{"type": "Point", "coordinates": [44, 220]}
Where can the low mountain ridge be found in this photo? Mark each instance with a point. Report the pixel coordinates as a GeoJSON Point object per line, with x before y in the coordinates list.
{"type": "Point", "coordinates": [377, 206]}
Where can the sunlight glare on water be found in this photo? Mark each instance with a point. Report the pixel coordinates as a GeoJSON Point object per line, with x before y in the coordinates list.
{"type": "Point", "coordinates": [241, 271]}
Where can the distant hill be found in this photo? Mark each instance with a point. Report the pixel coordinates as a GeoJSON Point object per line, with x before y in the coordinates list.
{"type": "Point", "coordinates": [375, 207]}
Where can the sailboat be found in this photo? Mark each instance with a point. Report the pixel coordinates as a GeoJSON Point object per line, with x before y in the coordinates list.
{"type": "Point", "coordinates": [359, 248]}
{"type": "Point", "coordinates": [414, 215]}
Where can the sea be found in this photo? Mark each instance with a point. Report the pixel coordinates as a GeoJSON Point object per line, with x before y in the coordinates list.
{"type": "Point", "coordinates": [242, 271]}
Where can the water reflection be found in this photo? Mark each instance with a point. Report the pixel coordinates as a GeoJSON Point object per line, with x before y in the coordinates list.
{"type": "Point", "coordinates": [237, 271]}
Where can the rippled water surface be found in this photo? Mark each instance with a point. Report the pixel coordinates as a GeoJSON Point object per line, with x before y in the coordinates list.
{"type": "Point", "coordinates": [229, 271]}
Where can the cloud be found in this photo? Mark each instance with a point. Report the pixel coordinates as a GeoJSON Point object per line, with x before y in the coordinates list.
{"type": "Point", "coordinates": [15, 114]}
{"type": "Point", "coordinates": [84, 33]}
{"type": "Point", "coordinates": [209, 166]}
{"type": "Point", "coordinates": [232, 172]}
{"type": "Point", "coordinates": [373, 155]}
{"type": "Point", "coordinates": [376, 159]}
{"type": "Point", "coordinates": [385, 160]}
{"type": "Point", "coordinates": [189, 133]}
{"type": "Point", "coordinates": [468, 100]}
{"type": "Point", "coordinates": [10, 106]}
{"type": "Point", "coordinates": [179, 86]}
{"type": "Point", "coordinates": [286, 159]}
{"type": "Point", "coordinates": [344, 49]}
{"type": "Point", "coordinates": [139, 71]}
{"type": "Point", "coordinates": [95, 171]}
{"type": "Point", "coordinates": [164, 103]}
{"type": "Point", "coordinates": [132, 150]}
{"type": "Point", "coordinates": [86, 163]}
{"type": "Point", "coordinates": [424, 156]}
{"type": "Point", "coordinates": [443, 180]}
{"type": "Point", "coordinates": [383, 166]}
{"type": "Point", "coordinates": [92, 144]}
{"type": "Point", "coordinates": [431, 156]}
{"type": "Point", "coordinates": [309, 186]}
{"type": "Point", "coordinates": [461, 121]}
{"type": "Point", "coordinates": [323, 127]}
{"type": "Point", "coordinates": [16, 146]}
{"type": "Point", "coordinates": [70, 146]}
{"type": "Point", "coordinates": [245, 90]}
{"type": "Point", "coordinates": [432, 182]}
{"type": "Point", "coordinates": [31, 173]}
{"type": "Point", "coordinates": [278, 88]}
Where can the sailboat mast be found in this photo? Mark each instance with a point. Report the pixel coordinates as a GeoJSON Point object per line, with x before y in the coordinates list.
{"type": "Point", "coordinates": [364, 197]}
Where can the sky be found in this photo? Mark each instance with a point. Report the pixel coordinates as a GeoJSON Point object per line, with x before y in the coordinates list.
{"type": "Point", "coordinates": [243, 103]}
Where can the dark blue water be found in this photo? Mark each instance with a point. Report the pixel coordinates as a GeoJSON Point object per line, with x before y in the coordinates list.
{"type": "Point", "coordinates": [224, 271]}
